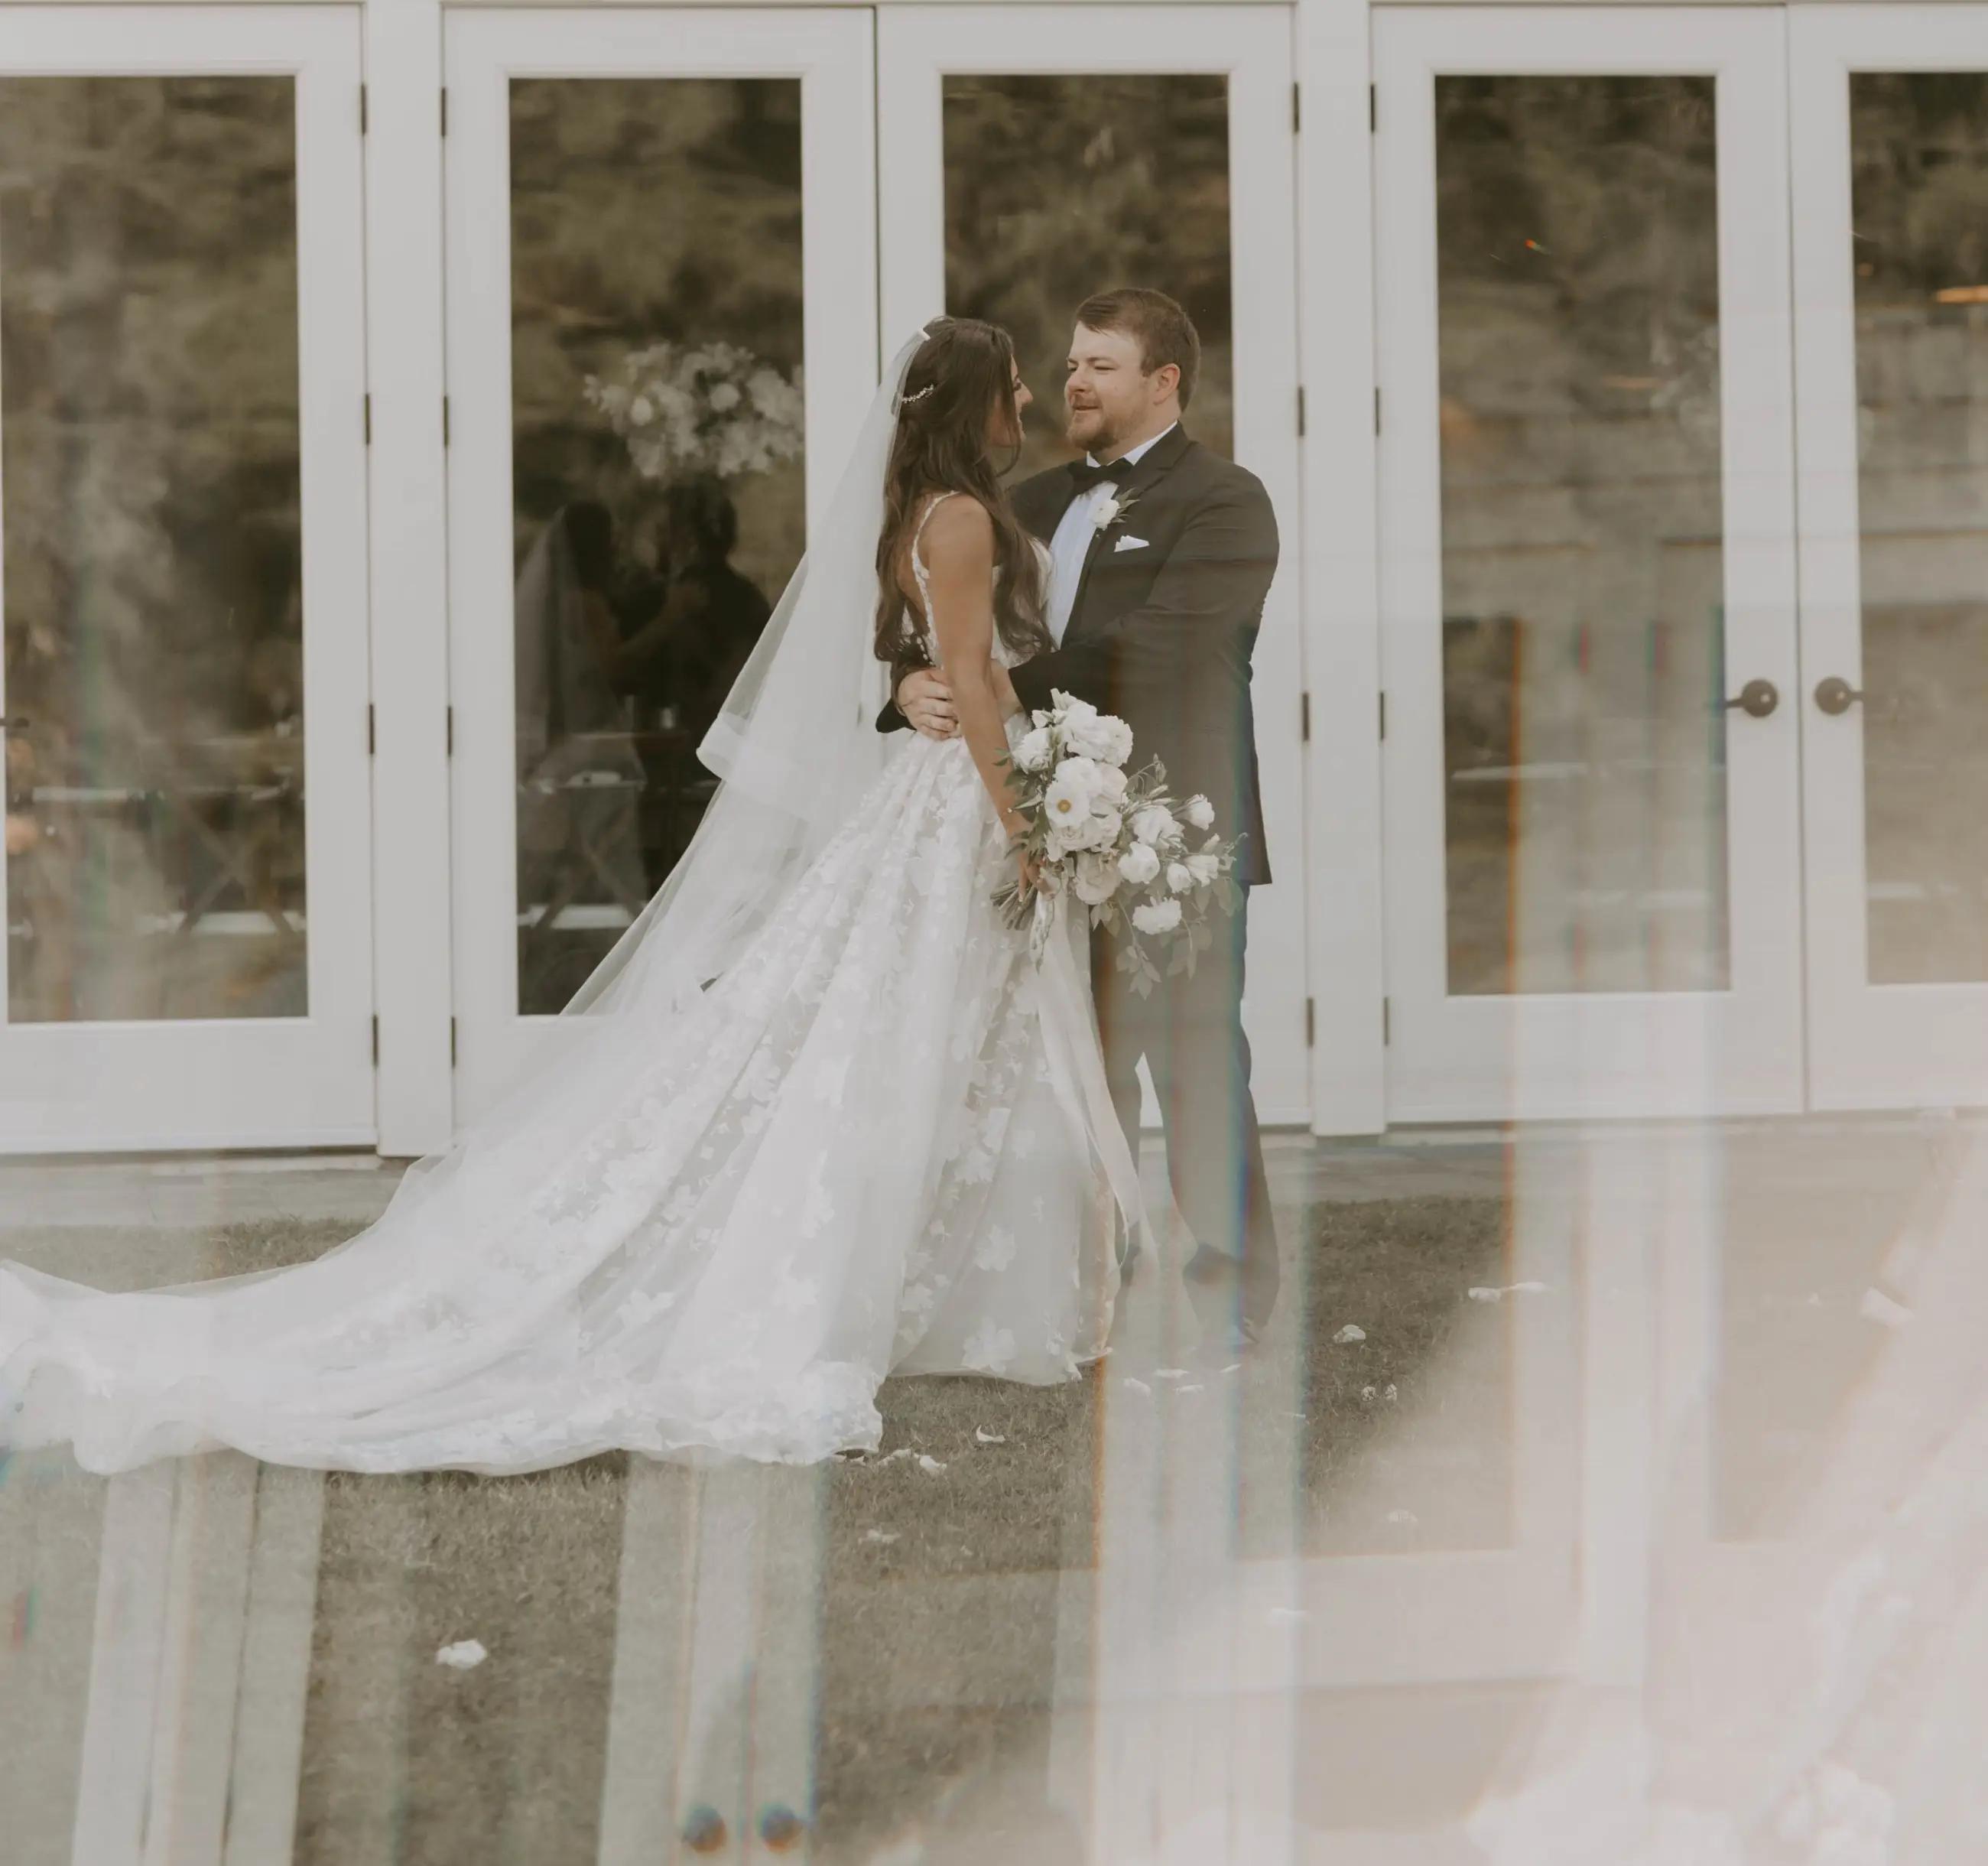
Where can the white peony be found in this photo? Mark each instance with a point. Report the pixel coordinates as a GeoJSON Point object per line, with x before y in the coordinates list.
{"type": "Point", "coordinates": [1154, 823]}
{"type": "Point", "coordinates": [1139, 864]}
{"type": "Point", "coordinates": [1099, 830]}
{"type": "Point", "coordinates": [1199, 811]}
{"type": "Point", "coordinates": [1033, 753]}
{"type": "Point", "coordinates": [1095, 879]}
{"type": "Point", "coordinates": [1110, 785]}
{"type": "Point", "coordinates": [1178, 879]}
{"type": "Point", "coordinates": [1204, 868]}
{"type": "Point", "coordinates": [1098, 735]}
{"type": "Point", "coordinates": [1157, 916]}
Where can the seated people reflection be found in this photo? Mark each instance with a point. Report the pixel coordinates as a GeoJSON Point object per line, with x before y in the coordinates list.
{"type": "Point", "coordinates": [688, 633]}
{"type": "Point", "coordinates": [580, 871]}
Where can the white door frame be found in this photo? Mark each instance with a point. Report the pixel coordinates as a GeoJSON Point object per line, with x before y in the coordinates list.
{"type": "Point", "coordinates": [252, 1082]}
{"type": "Point", "coordinates": [916, 45]}
{"type": "Point", "coordinates": [1457, 1057]}
{"type": "Point", "coordinates": [829, 48]}
{"type": "Point", "coordinates": [1870, 1045]}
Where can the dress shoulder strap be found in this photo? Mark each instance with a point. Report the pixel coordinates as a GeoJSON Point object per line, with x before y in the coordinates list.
{"type": "Point", "coordinates": [918, 563]}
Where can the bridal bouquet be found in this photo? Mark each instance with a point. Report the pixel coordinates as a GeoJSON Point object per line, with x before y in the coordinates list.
{"type": "Point", "coordinates": [1124, 846]}
{"type": "Point", "coordinates": [702, 408]}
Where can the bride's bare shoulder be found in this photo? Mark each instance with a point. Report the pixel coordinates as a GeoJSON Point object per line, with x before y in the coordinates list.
{"type": "Point", "coordinates": [960, 531]}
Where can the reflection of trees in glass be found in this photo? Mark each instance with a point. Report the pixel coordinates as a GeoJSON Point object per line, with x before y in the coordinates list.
{"type": "Point", "coordinates": [1058, 187]}
{"type": "Point", "coordinates": [148, 362]}
{"type": "Point", "coordinates": [644, 212]}
{"type": "Point", "coordinates": [643, 209]}
{"type": "Point", "coordinates": [1577, 263]}
{"type": "Point", "coordinates": [1919, 259]}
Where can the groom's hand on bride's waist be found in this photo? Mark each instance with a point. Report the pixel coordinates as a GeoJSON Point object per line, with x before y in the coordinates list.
{"type": "Point", "coordinates": [924, 699]}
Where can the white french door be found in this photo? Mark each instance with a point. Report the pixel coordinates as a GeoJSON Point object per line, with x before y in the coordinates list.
{"type": "Point", "coordinates": [1587, 561]}
{"type": "Point", "coordinates": [1026, 160]}
{"type": "Point", "coordinates": [648, 202]}
{"type": "Point", "coordinates": [186, 877]}
{"type": "Point", "coordinates": [1891, 352]}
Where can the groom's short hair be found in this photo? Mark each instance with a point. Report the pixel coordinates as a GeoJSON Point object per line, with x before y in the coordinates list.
{"type": "Point", "coordinates": [1166, 333]}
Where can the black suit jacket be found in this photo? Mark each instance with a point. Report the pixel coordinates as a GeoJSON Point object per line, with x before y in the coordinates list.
{"type": "Point", "coordinates": [1160, 633]}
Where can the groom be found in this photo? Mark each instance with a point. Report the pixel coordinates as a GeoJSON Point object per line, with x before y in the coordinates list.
{"type": "Point", "coordinates": [1162, 553]}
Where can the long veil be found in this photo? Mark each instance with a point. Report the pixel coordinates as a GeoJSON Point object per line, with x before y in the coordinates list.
{"type": "Point", "coordinates": [794, 745]}
{"type": "Point", "coordinates": [423, 1289]}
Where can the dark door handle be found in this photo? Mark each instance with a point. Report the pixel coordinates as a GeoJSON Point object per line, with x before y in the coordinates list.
{"type": "Point", "coordinates": [1757, 699]}
{"type": "Point", "coordinates": [1836, 696]}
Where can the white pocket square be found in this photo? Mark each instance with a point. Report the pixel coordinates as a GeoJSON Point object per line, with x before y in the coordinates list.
{"type": "Point", "coordinates": [1129, 543]}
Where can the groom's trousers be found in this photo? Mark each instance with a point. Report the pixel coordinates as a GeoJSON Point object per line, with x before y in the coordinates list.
{"type": "Point", "coordinates": [1190, 1031]}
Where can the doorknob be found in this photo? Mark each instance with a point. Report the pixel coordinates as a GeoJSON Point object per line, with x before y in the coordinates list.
{"type": "Point", "coordinates": [13, 725]}
{"type": "Point", "coordinates": [1757, 698]}
{"type": "Point", "coordinates": [1836, 696]}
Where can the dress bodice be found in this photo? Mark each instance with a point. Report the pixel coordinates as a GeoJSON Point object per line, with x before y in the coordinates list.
{"type": "Point", "coordinates": [1004, 655]}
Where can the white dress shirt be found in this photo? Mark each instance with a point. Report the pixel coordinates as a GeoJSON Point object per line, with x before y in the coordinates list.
{"type": "Point", "coordinates": [1071, 545]}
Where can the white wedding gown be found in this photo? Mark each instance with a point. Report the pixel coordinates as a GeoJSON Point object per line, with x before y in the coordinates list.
{"type": "Point", "coordinates": [856, 1154]}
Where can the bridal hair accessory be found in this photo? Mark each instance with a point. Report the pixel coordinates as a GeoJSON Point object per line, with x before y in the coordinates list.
{"type": "Point", "coordinates": [905, 402]}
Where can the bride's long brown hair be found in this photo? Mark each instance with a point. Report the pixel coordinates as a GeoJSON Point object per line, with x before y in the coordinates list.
{"type": "Point", "coordinates": [963, 373]}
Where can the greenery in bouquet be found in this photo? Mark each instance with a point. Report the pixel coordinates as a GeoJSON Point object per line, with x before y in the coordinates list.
{"type": "Point", "coordinates": [701, 408]}
{"type": "Point", "coordinates": [1142, 861]}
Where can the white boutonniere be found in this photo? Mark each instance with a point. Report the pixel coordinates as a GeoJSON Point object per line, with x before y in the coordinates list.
{"type": "Point", "coordinates": [1111, 511]}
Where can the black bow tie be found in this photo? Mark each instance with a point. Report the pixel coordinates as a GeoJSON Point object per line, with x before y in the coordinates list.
{"type": "Point", "coordinates": [1083, 475]}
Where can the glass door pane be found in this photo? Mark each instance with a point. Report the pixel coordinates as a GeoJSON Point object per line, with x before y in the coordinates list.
{"type": "Point", "coordinates": [659, 491]}
{"type": "Point", "coordinates": [182, 486]}
{"type": "Point", "coordinates": [1892, 315]}
{"type": "Point", "coordinates": [1583, 549]}
{"type": "Point", "coordinates": [152, 535]}
{"type": "Point", "coordinates": [1918, 147]}
{"type": "Point", "coordinates": [1587, 564]}
{"type": "Point", "coordinates": [662, 335]}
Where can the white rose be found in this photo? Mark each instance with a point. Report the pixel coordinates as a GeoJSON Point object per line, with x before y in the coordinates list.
{"type": "Point", "coordinates": [1110, 785]}
{"type": "Point", "coordinates": [1139, 864]}
{"type": "Point", "coordinates": [1107, 515]}
{"type": "Point", "coordinates": [1119, 735]}
{"type": "Point", "coordinates": [1157, 916]}
{"type": "Point", "coordinates": [1199, 811]}
{"type": "Point", "coordinates": [1178, 879]}
{"type": "Point", "coordinates": [1032, 753]}
{"type": "Point", "coordinates": [725, 395]}
{"type": "Point", "coordinates": [1154, 823]}
{"type": "Point", "coordinates": [1204, 868]}
{"type": "Point", "coordinates": [1097, 878]}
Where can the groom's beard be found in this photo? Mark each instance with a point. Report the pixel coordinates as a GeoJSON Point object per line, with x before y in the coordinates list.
{"type": "Point", "coordinates": [1101, 443]}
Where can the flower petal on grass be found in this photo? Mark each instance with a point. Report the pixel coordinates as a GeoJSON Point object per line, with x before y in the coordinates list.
{"type": "Point", "coordinates": [463, 1654]}
{"type": "Point", "coordinates": [1351, 1332]}
{"type": "Point", "coordinates": [984, 1437]}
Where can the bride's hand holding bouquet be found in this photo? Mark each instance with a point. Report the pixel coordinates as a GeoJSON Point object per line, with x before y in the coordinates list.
{"type": "Point", "coordinates": [1142, 861]}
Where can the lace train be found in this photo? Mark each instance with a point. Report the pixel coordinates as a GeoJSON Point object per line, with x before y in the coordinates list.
{"type": "Point", "coordinates": [843, 1158]}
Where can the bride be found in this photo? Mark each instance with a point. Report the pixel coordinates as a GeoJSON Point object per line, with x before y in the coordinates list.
{"type": "Point", "coordinates": [818, 1118]}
